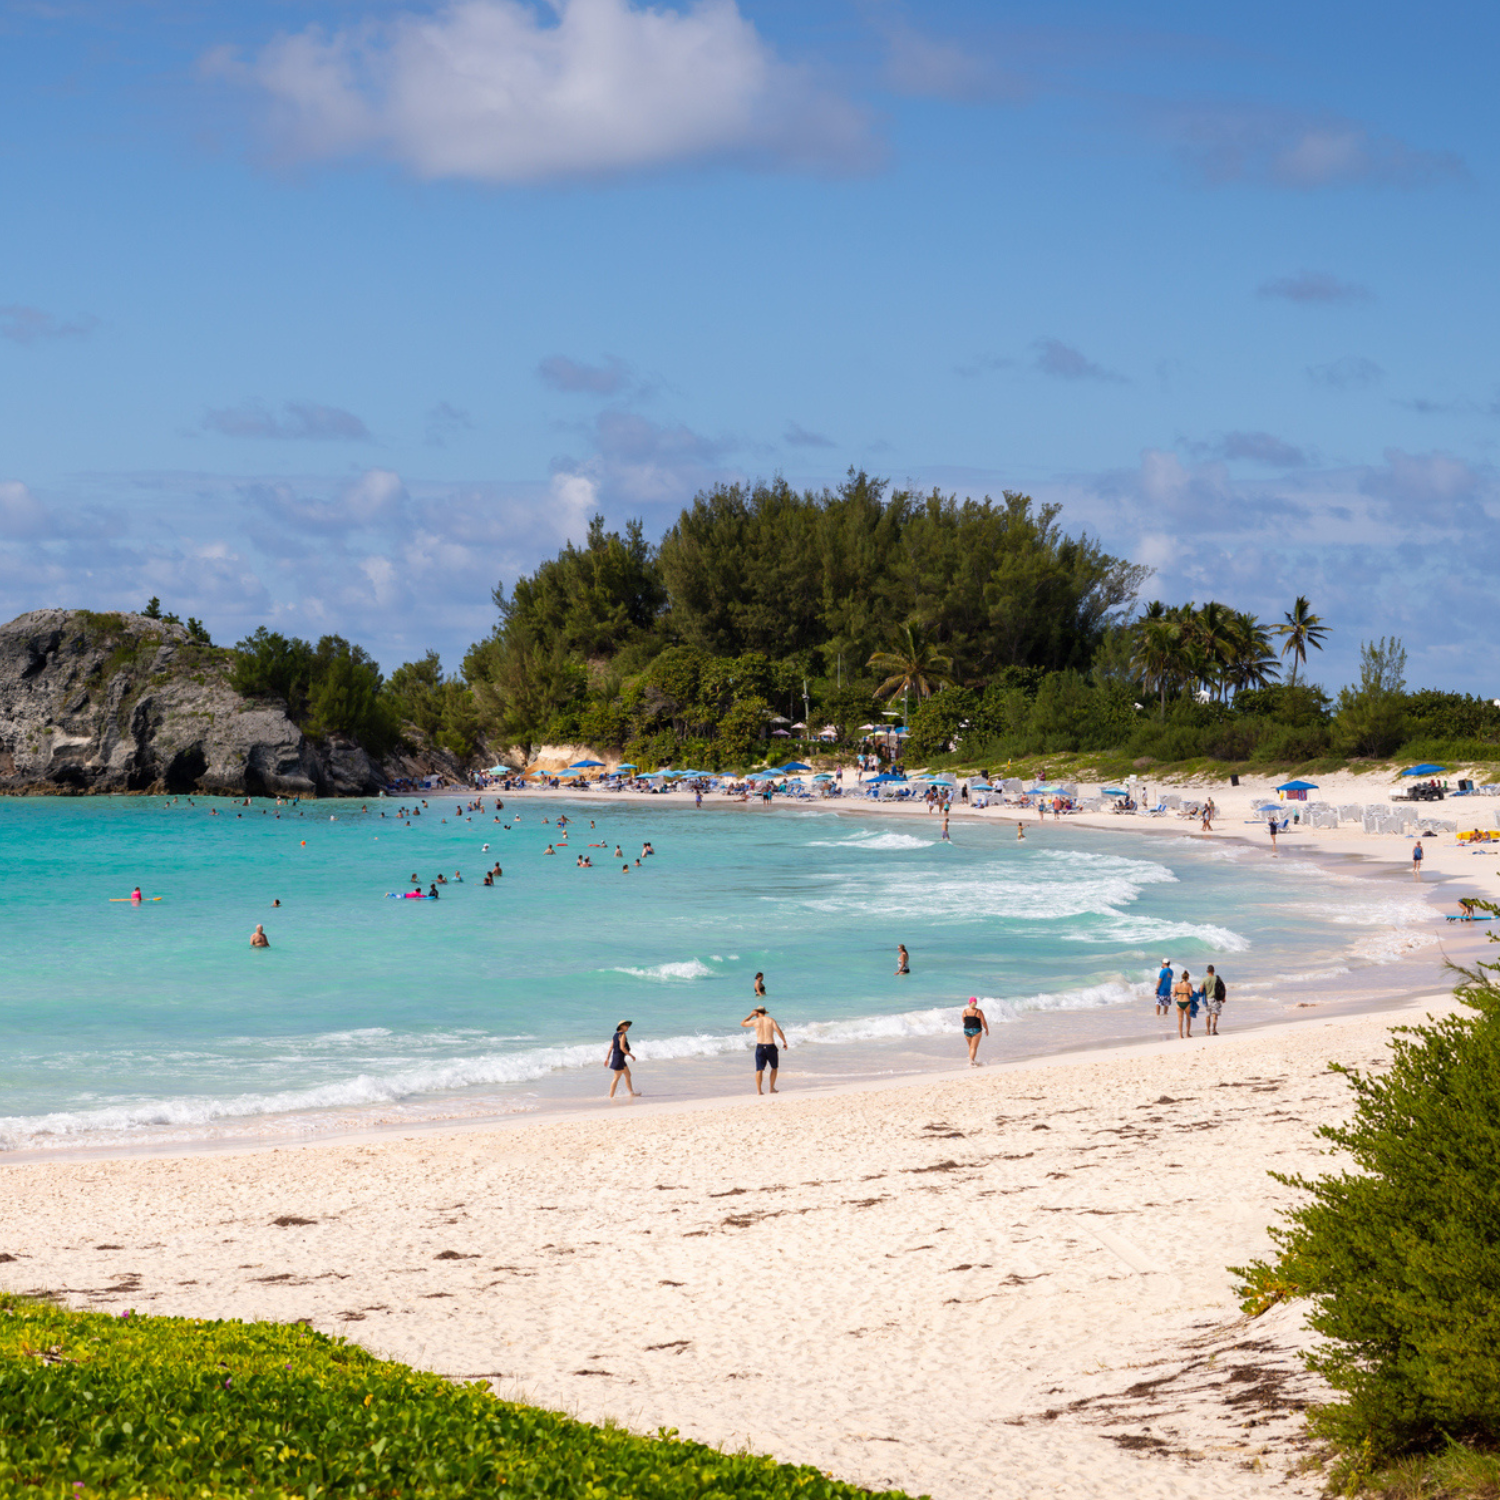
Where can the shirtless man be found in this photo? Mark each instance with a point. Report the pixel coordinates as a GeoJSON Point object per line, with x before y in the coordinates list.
{"type": "Point", "coordinates": [766, 1055]}
{"type": "Point", "coordinates": [258, 938]}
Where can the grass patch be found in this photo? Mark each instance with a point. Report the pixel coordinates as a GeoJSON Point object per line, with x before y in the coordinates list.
{"type": "Point", "coordinates": [172, 1408]}
{"type": "Point", "coordinates": [1457, 1473]}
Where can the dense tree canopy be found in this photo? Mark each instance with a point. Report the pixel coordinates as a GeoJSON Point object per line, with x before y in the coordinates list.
{"type": "Point", "coordinates": [809, 585]}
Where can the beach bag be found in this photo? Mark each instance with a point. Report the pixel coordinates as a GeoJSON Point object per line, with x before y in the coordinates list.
{"type": "Point", "coordinates": [1219, 988]}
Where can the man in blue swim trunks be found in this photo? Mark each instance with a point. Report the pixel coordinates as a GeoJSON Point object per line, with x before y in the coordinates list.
{"type": "Point", "coordinates": [1164, 988]}
{"type": "Point", "coordinates": [766, 1054]}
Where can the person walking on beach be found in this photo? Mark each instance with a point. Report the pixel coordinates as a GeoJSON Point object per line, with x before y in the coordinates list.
{"type": "Point", "coordinates": [619, 1060]}
{"type": "Point", "coordinates": [766, 1056]}
{"type": "Point", "coordinates": [1213, 1001]}
{"type": "Point", "coordinates": [1164, 988]}
{"type": "Point", "coordinates": [1273, 835]}
{"type": "Point", "coordinates": [1416, 859]}
{"type": "Point", "coordinates": [1182, 995]}
{"type": "Point", "coordinates": [903, 959]}
{"type": "Point", "coordinates": [974, 1024]}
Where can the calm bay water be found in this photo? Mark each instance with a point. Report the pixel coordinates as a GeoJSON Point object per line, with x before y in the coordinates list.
{"type": "Point", "coordinates": [137, 1025]}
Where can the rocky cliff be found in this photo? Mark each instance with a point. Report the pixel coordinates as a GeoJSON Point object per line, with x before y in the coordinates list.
{"type": "Point", "coordinates": [121, 703]}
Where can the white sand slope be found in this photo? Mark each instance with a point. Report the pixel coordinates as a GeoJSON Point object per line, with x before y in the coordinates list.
{"type": "Point", "coordinates": [1004, 1282]}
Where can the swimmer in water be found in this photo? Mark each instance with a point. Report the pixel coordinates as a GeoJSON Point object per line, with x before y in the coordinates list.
{"type": "Point", "coordinates": [1020, 832]}
{"type": "Point", "coordinates": [549, 850]}
{"type": "Point", "coordinates": [135, 895]}
{"type": "Point", "coordinates": [258, 938]}
{"type": "Point", "coordinates": [432, 893]}
{"type": "Point", "coordinates": [276, 901]}
{"type": "Point", "coordinates": [618, 855]}
{"type": "Point", "coordinates": [903, 959]}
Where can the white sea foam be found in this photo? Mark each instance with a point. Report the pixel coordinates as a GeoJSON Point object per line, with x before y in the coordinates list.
{"type": "Point", "coordinates": [448, 1076]}
{"type": "Point", "coordinates": [1060, 885]}
{"type": "Point", "coordinates": [1154, 932]}
{"type": "Point", "coordinates": [874, 841]}
{"type": "Point", "coordinates": [691, 968]}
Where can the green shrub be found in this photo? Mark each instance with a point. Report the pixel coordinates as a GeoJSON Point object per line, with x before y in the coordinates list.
{"type": "Point", "coordinates": [1401, 1257]}
{"type": "Point", "coordinates": [167, 1408]}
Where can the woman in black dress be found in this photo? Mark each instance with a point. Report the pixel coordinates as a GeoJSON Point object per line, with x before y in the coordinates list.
{"type": "Point", "coordinates": [619, 1059]}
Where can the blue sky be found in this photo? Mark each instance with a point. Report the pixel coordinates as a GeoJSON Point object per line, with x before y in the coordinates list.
{"type": "Point", "coordinates": [330, 316]}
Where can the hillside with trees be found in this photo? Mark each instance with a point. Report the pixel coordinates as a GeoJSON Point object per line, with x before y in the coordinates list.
{"type": "Point", "coordinates": [996, 634]}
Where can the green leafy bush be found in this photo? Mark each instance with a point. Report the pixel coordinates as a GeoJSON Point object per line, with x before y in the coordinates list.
{"type": "Point", "coordinates": [167, 1408]}
{"type": "Point", "coordinates": [1401, 1257]}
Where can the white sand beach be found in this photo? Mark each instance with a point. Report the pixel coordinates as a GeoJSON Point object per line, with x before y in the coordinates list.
{"type": "Point", "coordinates": [1009, 1281]}
{"type": "Point", "coordinates": [1003, 1282]}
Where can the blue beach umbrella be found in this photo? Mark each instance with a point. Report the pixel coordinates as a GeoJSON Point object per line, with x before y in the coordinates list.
{"type": "Point", "coordinates": [625, 765]}
{"type": "Point", "coordinates": [585, 765]}
{"type": "Point", "coordinates": [1425, 769]}
{"type": "Point", "coordinates": [795, 765]}
{"type": "Point", "coordinates": [1298, 786]}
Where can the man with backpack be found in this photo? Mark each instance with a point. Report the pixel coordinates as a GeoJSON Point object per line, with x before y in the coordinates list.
{"type": "Point", "coordinates": [1213, 999]}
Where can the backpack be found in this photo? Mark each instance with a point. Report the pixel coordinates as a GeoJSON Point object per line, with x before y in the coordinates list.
{"type": "Point", "coordinates": [1219, 988]}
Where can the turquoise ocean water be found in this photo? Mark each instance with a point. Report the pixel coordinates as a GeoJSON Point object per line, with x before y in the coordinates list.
{"type": "Point", "coordinates": [131, 1025]}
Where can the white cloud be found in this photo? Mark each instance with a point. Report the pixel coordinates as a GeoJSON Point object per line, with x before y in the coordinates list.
{"type": "Point", "coordinates": [1063, 362]}
{"type": "Point", "coordinates": [502, 91]}
{"type": "Point", "coordinates": [1352, 372]}
{"type": "Point", "coordinates": [576, 377]}
{"type": "Point", "coordinates": [301, 420]}
{"type": "Point", "coordinates": [27, 325]}
{"type": "Point", "coordinates": [1224, 143]}
{"type": "Point", "coordinates": [797, 436]}
{"type": "Point", "coordinates": [1314, 286]}
{"type": "Point", "coordinates": [21, 513]}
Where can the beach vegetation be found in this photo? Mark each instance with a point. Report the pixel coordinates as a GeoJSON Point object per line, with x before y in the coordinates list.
{"type": "Point", "coordinates": [1398, 1259]}
{"type": "Point", "coordinates": [170, 1408]}
{"type": "Point", "coordinates": [767, 614]}
{"type": "Point", "coordinates": [441, 707]}
{"type": "Point", "coordinates": [331, 688]}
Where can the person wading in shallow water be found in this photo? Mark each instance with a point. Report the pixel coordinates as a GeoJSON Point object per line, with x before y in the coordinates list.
{"type": "Point", "coordinates": [1182, 994]}
{"type": "Point", "coordinates": [903, 959]}
{"type": "Point", "coordinates": [619, 1060]}
{"type": "Point", "coordinates": [1213, 1000]}
{"type": "Point", "coordinates": [974, 1024]}
{"type": "Point", "coordinates": [766, 1055]}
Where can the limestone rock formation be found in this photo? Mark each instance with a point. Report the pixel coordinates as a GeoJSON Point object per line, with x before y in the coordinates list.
{"type": "Point", "coordinates": [122, 703]}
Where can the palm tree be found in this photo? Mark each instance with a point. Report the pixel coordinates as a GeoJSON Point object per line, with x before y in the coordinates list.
{"type": "Point", "coordinates": [1302, 629]}
{"type": "Point", "coordinates": [915, 665]}
{"type": "Point", "coordinates": [1253, 664]}
{"type": "Point", "coordinates": [1158, 652]}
